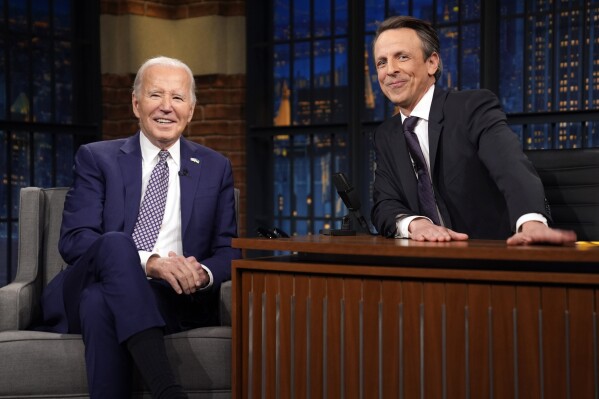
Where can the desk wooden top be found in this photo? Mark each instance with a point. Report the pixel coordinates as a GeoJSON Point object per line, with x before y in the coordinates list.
{"type": "Point", "coordinates": [377, 246]}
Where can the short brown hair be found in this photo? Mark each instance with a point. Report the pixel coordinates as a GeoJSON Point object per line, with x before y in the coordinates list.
{"type": "Point", "coordinates": [425, 31]}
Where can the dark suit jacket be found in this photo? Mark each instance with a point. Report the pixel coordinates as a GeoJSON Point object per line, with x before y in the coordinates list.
{"type": "Point", "coordinates": [483, 181]}
{"type": "Point", "coordinates": [106, 197]}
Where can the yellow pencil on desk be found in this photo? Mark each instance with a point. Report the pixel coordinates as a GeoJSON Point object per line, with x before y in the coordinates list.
{"type": "Point", "coordinates": [588, 243]}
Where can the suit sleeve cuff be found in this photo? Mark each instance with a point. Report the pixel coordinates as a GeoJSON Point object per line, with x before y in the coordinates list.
{"type": "Point", "coordinates": [403, 222]}
{"type": "Point", "coordinates": [143, 257]}
{"type": "Point", "coordinates": [529, 217]}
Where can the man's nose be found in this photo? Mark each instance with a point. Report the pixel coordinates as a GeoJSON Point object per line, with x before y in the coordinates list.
{"type": "Point", "coordinates": [166, 103]}
{"type": "Point", "coordinates": [392, 67]}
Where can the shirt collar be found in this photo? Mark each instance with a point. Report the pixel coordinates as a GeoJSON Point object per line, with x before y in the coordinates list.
{"type": "Point", "coordinates": [149, 152]}
{"type": "Point", "coordinates": [422, 110]}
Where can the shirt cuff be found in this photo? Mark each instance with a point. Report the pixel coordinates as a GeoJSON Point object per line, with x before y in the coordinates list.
{"type": "Point", "coordinates": [210, 278]}
{"type": "Point", "coordinates": [403, 222]}
{"type": "Point", "coordinates": [143, 257]}
{"type": "Point", "coordinates": [529, 217]}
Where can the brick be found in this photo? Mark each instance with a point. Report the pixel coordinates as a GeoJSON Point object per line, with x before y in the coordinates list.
{"type": "Point", "coordinates": [178, 3]}
{"type": "Point", "coordinates": [225, 128]}
{"type": "Point", "coordinates": [213, 81]}
{"type": "Point", "coordinates": [235, 81]}
{"type": "Point", "coordinates": [116, 96]}
{"type": "Point", "coordinates": [204, 9]}
{"type": "Point", "coordinates": [160, 11]}
{"type": "Point", "coordinates": [210, 81]}
{"type": "Point", "coordinates": [135, 7]}
{"type": "Point", "coordinates": [127, 128]}
{"type": "Point", "coordinates": [109, 7]}
{"type": "Point", "coordinates": [117, 112]}
{"type": "Point", "coordinates": [237, 159]}
{"type": "Point", "coordinates": [198, 113]}
{"type": "Point", "coordinates": [220, 111]}
{"type": "Point", "coordinates": [212, 97]}
{"type": "Point", "coordinates": [117, 81]}
{"type": "Point", "coordinates": [111, 96]}
{"type": "Point", "coordinates": [109, 126]}
{"type": "Point", "coordinates": [234, 10]}
{"type": "Point", "coordinates": [181, 12]}
{"type": "Point", "coordinates": [202, 128]}
{"type": "Point", "coordinates": [195, 139]}
{"type": "Point", "coordinates": [222, 144]}
{"type": "Point", "coordinates": [225, 96]}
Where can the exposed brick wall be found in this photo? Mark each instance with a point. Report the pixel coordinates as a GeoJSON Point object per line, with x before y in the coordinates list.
{"type": "Point", "coordinates": [174, 9]}
{"type": "Point", "coordinates": [118, 118]}
{"type": "Point", "coordinates": [219, 123]}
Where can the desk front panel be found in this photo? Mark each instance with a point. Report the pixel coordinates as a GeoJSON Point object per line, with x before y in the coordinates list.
{"type": "Point", "coordinates": [307, 329]}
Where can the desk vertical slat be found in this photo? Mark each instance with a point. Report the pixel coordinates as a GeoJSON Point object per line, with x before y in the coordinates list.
{"type": "Point", "coordinates": [582, 351]}
{"type": "Point", "coordinates": [503, 303]}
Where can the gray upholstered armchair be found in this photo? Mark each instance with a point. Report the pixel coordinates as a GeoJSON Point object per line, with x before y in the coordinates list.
{"type": "Point", "coordinates": [39, 364]}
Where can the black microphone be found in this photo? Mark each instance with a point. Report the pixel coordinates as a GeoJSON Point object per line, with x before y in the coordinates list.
{"type": "Point", "coordinates": [183, 172]}
{"type": "Point", "coordinates": [350, 198]}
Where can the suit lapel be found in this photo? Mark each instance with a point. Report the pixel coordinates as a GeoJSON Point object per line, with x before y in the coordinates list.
{"type": "Point", "coordinates": [130, 161]}
{"type": "Point", "coordinates": [435, 125]}
{"type": "Point", "coordinates": [403, 162]}
{"type": "Point", "coordinates": [435, 129]}
{"type": "Point", "coordinates": [192, 164]}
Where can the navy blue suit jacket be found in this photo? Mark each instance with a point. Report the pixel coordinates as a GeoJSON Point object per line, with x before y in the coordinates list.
{"type": "Point", "coordinates": [106, 196]}
{"type": "Point", "coordinates": [483, 181]}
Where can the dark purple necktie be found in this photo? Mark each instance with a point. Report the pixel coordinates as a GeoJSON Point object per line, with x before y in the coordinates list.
{"type": "Point", "coordinates": [426, 196]}
{"type": "Point", "coordinates": [151, 210]}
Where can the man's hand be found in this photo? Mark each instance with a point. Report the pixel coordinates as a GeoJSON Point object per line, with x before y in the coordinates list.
{"type": "Point", "coordinates": [185, 275]}
{"type": "Point", "coordinates": [534, 232]}
{"type": "Point", "coordinates": [423, 230]}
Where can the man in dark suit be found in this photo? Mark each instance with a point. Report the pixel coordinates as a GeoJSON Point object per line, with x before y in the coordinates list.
{"type": "Point", "coordinates": [146, 231]}
{"type": "Point", "coordinates": [473, 178]}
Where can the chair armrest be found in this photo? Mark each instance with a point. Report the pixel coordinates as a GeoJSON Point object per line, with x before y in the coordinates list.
{"type": "Point", "coordinates": [16, 305]}
{"type": "Point", "coordinates": [225, 303]}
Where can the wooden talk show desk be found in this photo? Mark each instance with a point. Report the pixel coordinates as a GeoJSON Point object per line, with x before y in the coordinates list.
{"type": "Point", "coordinates": [369, 317]}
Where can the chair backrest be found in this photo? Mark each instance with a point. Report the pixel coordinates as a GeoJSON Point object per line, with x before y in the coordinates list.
{"type": "Point", "coordinates": [40, 216]}
{"type": "Point", "coordinates": [571, 181]}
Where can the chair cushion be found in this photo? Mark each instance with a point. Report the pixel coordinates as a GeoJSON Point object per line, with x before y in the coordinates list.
{"type": "Point", "coordinates": [201, 360]}
{"type": "Point", "coordinates": [54, 361]}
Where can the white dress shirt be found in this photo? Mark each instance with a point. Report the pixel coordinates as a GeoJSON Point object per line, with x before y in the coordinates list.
{"type": "Point", "coordinates": [169, 236]}
{"type": "Point", "coordinates": [422, 111]}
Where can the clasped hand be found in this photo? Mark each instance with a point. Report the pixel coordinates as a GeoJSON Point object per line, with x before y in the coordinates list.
{"type": "Point", "coordinates": [185, 275]}
{"type": "Point", "coordinates": [531, 233]}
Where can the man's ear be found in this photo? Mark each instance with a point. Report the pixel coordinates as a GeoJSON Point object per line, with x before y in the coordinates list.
{"type": "Point", "coordinates": [135, 105]}
{"type": "Point", "coordinates": [193, 107]}
{"type": "Point", "coordinates": [432, 63]}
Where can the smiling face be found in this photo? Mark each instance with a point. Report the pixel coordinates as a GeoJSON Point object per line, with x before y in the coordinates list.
{"type": "Point", "coordinates": [164, 105]}
{"type": "Point", "coordinates": [403, 73]}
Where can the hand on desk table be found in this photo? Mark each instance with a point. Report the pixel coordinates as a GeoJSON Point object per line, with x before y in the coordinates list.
{"type": "Point", "coordinates": [422, 229]}
{"type": "Point", "coordinates": [532, 232]}
{"type": "Point", "coordinates": [538, 233]}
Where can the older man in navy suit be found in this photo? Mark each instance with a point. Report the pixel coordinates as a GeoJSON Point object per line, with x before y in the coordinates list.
{"type": "Point", "coordinates": [448, 165]}
{"type": "Point", "coordinates": [146, 253]}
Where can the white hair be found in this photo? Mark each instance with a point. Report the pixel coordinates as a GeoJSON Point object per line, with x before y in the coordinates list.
{"type": "Point", "coordinates": [168, 62]}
